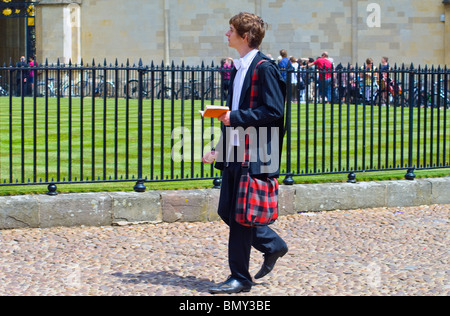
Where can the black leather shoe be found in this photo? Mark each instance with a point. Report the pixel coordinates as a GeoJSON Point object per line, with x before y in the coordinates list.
{"type": "Point", "coordinates": [269, 263]}
{"type": "Point", "coordinates": [230, 286]}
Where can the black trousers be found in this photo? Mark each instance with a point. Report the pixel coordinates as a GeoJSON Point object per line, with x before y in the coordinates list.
{"type": "Point", "coordinates": [242, 238]}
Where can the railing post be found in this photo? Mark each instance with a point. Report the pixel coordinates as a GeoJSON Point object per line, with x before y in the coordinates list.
{"type": "Point", "coordinates": [140, 187]}
{"type": "Point", "coordinates": [351, 177]}
{"type": "Point", "coordinates": [217, 183]}
{"type": "Point", "coordinates": [52, 189]}
{"type": "Point", "coordinates": [410, 174]}
{"type": "Point", "coordinates": [288, 180]}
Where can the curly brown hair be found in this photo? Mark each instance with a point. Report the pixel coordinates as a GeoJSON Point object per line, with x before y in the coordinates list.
{"type": "Point", "coordinates": [251, 25]}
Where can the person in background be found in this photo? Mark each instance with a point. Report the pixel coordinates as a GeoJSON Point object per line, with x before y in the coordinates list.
{"type": "Point", "coordinates": [227, 65]}
{"type": "Point", "coordinates": [284, 63]}
{"type": "Point", "coordinates": [31, 63]}
{"type": "Point", "coordinates": [385, 79]}
{"type": "Point", "coordinates": [370, 80]}
{"type": "Point", "coordinates": [294, 81]}
{"type": "Point", "coordinates": [21, 76]}
{"type": "Point", "coordinates": [385, 64]}
{"type": "Point", "coordinates": [325, 67]}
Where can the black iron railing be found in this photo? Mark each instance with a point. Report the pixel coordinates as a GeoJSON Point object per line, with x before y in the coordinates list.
{"type": "Point", "coordinates": [116, 123]}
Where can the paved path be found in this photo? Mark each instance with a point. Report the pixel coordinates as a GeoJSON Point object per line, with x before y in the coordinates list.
{"type": "Point", "coordinates": [397, 251]}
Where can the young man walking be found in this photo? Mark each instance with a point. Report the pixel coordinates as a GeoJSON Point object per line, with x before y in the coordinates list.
{"type": "Point", "coordinates": [245, 35]}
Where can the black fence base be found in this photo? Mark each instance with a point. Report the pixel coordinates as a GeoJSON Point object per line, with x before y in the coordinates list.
{"type": "Point", "coordinates": [410, 175]}
{"type": "Point", "coordinates": [52, 189]}
{"type": "Point", "coordinates": [351, 178]}
{"type": "Point", "coordinates": [217, 183]}
{"type": "Point", "coordinates": [289, 180]}
{"type": "Point", "coordinates": [140, 187]}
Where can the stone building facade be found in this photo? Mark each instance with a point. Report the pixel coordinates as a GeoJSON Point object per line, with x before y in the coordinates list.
{"type": "Point", "coordinates": [408, 31]}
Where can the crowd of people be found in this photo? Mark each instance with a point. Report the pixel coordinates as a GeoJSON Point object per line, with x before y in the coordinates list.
{"type": "Point", "coordinates": [328, 76]}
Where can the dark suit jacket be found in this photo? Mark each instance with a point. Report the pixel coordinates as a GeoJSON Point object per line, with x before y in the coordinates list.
{"type": "Point", "coordinates": [265, 121]}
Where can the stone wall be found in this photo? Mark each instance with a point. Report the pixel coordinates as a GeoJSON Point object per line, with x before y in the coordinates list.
{"type": "Point", "coordinates": [194, 31]}
{"type": "Point", "coordinates": [122, 208]}
{"type": "Point", "coordinates": [447, 32]}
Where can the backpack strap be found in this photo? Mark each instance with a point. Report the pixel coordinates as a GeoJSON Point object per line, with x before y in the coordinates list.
{"type": "Point", "coordinates": [253, 100]}
{"type": "Point", "coordinates": [254, 87]}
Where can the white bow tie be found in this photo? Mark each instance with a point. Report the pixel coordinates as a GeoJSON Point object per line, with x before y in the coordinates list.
{"type": "Point", "coordinates": [239, 63]}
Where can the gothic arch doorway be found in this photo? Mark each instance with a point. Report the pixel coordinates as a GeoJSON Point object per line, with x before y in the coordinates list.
{"type": "Point", "coordinates": [17, 30]}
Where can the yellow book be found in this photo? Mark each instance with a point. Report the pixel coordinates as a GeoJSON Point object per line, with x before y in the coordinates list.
{"type": "Point", "coordinates": [214, 111]}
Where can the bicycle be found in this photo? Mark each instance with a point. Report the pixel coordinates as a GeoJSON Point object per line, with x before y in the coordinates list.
{"type": "Point", "coordinates": [132, 89]}
{"type": "Point", "coordinates": [4, 91]}
{"type": "Point", "coordinates": [189, 91]}
{"type": "Point", "coordinates": [213, 92]}
{"type": "Point", "coordinates": [51, 89]}
{"type": "Point", "coordinates": [435, 98]}
{"type": "Point", "coordinates": [86, 87]}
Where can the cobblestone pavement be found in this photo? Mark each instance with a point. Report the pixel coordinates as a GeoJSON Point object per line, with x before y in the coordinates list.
{"type": "Point", "coordinates": [396, 251]}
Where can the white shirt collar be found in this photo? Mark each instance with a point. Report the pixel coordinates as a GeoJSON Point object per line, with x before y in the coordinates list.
{"type": "Point", "coordinates": [245, 61]}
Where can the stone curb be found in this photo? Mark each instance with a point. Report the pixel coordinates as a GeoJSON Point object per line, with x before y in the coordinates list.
{"type": "Point", "coordinates": [123, 208]}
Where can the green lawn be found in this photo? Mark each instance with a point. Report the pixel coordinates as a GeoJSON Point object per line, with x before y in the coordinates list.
{"type": "Point", "coordinates": [340, 138]}
{"type": "Point", "coordinates": [98, 141]}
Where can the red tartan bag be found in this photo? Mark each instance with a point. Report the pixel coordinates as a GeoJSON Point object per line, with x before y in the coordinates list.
{"type": "Point", "coordinates": [257, 203]}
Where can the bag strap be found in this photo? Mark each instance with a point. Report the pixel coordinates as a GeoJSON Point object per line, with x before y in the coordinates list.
{"type": "Point", "coordinates": [253, 100]}
{"type": "Point", "coordinates": [254, 87]}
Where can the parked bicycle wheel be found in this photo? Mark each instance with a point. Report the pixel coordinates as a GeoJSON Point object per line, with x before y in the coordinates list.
{"type": "Point", "coordinates": [4, 89]}
{"type": "Point", "coordinates": [132, 89]}
{"type": "Point", "coordinates": [444, 99]}
{"type": "Point", "coordinates": [168, 93]}
{"type": "Point", "coordinates": [4, 92]}
{"type": "Point", "coordinates": [110, 90]}
{"type": "Point", "coordinates": [43, 90]}
{"type": "Point", "coordinates": [85, 87]}
{"type": "Point", "coordinates": [75, 91]}
{"type": "Point", "coordinates": [187, 93]}
{"type": "Point", "coordinates": [213, 94]}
